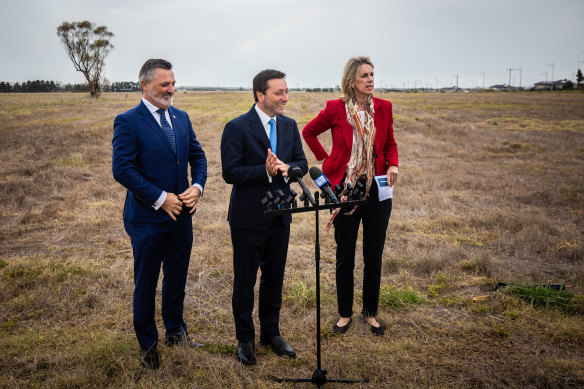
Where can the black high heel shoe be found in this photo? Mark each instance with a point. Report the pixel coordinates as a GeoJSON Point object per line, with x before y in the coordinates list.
{"type": "Point", "coordinates": [341, 330]}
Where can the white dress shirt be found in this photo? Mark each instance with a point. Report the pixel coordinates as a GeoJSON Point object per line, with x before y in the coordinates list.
{"type": "Point", "coordinates": [265, 119]}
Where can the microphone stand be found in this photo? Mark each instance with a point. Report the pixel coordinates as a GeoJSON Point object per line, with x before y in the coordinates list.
{"type": "Point", "coordinates": [319, 376]}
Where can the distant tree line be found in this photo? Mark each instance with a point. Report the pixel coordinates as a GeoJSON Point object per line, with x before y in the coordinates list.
{"type": "Point", "coordinates": [30, 86]}
{"type": "Point", "coordinates": [56, 86]}
{"type": "Point", "coordinates": [122, 86]}
{"type": "Point", "coordinates": [320, 89]}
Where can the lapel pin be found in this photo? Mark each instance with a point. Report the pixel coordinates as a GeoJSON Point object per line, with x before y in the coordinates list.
{"type": "Point", "coordinates": [174, 117]}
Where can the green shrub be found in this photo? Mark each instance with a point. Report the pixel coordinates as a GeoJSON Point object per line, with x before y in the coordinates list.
{"type": "Point", "coordinates": [395, 297]}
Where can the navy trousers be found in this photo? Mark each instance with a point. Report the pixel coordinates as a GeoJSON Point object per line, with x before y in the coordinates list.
{"type": "Point", "coordinates": [169, 245]}
{"type": "Point", "coordinates": [266, 250]}
{"type": "Point", "coordinates": [375, 217]}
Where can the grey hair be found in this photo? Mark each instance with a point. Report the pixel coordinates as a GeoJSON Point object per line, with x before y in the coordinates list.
{"type": "Point", "coordinates": [147, 71]}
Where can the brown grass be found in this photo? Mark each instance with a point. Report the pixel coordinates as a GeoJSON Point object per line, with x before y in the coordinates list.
{"type": "Point", "coordinates": [491, 189]}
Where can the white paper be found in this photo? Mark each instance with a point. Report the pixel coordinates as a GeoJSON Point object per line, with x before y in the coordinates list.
{"type": "Point", "coordinates": [385, 191]}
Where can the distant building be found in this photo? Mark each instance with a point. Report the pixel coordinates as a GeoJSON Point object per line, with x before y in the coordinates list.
{"type": "Point", "coordinates": [501, 87]}
{"type": "Point", "coordinates": [547, 85]}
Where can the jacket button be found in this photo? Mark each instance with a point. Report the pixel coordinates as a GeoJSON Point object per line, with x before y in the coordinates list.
{"type": "Point", "coordinates": [177, 162]}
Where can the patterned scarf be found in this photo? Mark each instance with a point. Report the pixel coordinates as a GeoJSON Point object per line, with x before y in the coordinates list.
{"type": "Point", "coordinates": [362, 160]}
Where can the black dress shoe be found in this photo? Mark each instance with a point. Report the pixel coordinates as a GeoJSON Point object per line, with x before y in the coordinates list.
{"type": "Point", "coordinates": [279, 345]}
{"type": "Point", "coordinates": [149, 358]}
{"type": "Point", "coordinates": [341, 330]}
{"type": "Point", "coordinates": [173, 340]}
{"type": "Point", "coordinates": [246, 353]}
{"type": "Point", "coordinates": [376, 330]}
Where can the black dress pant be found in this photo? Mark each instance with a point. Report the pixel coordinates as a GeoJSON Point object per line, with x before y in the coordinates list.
{"type": "Point", "coordinates": [266, 250]}
{"type": "Point", "coordinates": [167, 245]}
{"type": "Point", "coordinates": [375, 217]}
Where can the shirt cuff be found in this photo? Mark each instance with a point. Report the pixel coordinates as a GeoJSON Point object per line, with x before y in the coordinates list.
{"type": "Point", "coordinates": [269, 177]}
{"type": "Point", "coordinates": [160, 201]}
{"type": "Point", "coordinates": [287, 178]}
{"type": "Point", "coordinates": [200, 188]}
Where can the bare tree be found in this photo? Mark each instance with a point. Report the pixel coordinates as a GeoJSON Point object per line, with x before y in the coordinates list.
{"type": "Point", "coordinates": [87, 46]}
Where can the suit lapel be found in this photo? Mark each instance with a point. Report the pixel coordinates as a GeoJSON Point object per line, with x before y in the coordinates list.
{"type": "Point", "coordinates": [281, 133]}
{"type": "Point", "coordinates": [153, 125]}
{"type": "Point", "coordinates": [347, 130]}
{"type": "Point", "coordinates": [257, 128]}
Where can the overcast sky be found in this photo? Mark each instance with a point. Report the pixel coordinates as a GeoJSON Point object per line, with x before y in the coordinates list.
{"type": "Point", "coordinates": [226, 42]}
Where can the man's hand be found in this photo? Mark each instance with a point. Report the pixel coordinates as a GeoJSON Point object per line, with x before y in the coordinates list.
{"type": "Point", "coordinates": [272, 163]}
{"type": "Point", "coordinates": [284, 169]}
{"type": "Point", "coordinates": [392, 173]}
{"type": "Point", "coordinates": [172, 205]}
{"type": "Point", "coordinates": [190, 198]}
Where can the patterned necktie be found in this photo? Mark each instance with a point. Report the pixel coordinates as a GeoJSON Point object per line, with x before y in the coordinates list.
{"type": "Point", "coordinates": [273, 136]}
{"type": "Point", "coordinates": [167, 129]}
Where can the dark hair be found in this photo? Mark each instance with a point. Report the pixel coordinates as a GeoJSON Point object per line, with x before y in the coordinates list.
{"type": "Point", "coordinates": [147, 70]}
{"type": "Point", "coordinates": [260, 81]}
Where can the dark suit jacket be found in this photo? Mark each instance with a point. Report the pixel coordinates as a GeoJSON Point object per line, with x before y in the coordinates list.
{"type": "Point", "coordinates": [334, 117]}
{"type": "Point", "coordinates": [244, 149]}
{"type": "Point", "coordinates": [144, 163]}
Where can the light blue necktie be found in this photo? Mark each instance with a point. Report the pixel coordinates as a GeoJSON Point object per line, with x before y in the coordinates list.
{"type": "Point", "coordinates": [273, 140]}
{"type": "Point", "coordinates": [273, 136]}
{"type": "Point", "coordinates": [167, 129]}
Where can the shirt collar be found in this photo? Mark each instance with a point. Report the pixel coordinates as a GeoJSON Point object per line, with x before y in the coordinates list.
{"type": "Point", "coordinates": [263, 116]}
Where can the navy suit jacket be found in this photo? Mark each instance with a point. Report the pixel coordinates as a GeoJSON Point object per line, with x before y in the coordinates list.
{"type": "Point", "coordinates": [144, 163]}
{"type": "Point", "coordinates": [244, 150]}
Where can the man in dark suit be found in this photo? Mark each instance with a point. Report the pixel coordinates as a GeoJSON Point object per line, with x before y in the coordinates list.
{"type": "Point", "coordinates": [153, 144]}
{"type": "Point", "coordinates": [257, 149]}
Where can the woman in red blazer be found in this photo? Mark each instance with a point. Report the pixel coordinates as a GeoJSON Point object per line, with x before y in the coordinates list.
{"type": "Point", "coordinates": [363, 147]}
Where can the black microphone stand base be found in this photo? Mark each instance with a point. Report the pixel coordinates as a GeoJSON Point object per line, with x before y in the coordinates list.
{"type": "Point", "coordinates": [319, 379]}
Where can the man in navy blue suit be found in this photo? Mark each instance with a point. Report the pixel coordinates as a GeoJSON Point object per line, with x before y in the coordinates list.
{"type": "Point", "coordinates": [257, 149]}
{"type": "Point", "coordinates": [153, 144]}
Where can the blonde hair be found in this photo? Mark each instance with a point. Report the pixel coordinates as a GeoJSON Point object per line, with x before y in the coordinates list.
{"type": "Point", "coordinates": [349, 75]}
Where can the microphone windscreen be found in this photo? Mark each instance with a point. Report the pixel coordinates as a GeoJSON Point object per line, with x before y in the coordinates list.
{"type": "Point", "coordinates": [315, 172]}
{"type": "Point", "coordinates": [295, 172]}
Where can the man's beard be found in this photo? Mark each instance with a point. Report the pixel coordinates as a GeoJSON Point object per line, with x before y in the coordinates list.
{"type": "Point", "coordinates": [160, 100]}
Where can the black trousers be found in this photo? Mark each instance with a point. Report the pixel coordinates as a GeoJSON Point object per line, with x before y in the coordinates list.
{"type": "Point", "coordinates": [266, 250]}
{"type": "Point", "coordinates": [375, 217]}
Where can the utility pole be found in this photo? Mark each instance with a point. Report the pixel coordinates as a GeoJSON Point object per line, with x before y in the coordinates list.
{"type": "Point", "coordinates": [520, 73]}
{"type": "Point", "coordinates": [436, 78]}
{"type": "Point", "coordinates": [510, 70]}
{"type": "Point", "coordinates": [546, 79]}
{"type": "Point", "coordinates": [483, 73]}
{"type": "Point", "coordinates": [456, 90]}
{"type": "Point", "coordinates": [552, 65]}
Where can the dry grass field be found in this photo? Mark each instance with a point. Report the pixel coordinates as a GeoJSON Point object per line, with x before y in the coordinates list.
{"type": "Point", "coordinates": [491, 190]}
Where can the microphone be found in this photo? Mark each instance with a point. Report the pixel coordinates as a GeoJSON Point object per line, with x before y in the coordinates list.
{"type": "Point", "coordinates": [296, 174]}
{"type": "Point", "coordinates": [323, 183]}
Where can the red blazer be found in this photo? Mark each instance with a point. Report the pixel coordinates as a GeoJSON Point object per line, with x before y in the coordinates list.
{"type": "Point", "coordinates": [334, 117]}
